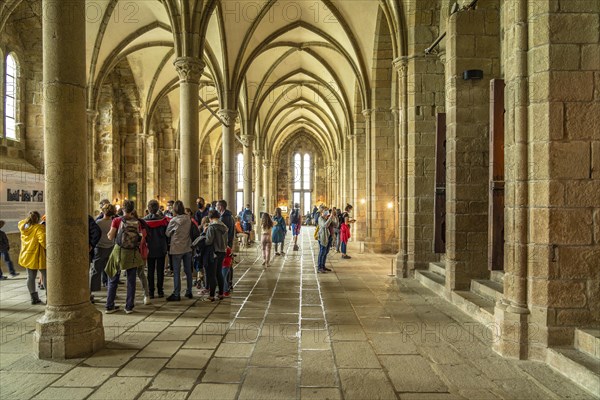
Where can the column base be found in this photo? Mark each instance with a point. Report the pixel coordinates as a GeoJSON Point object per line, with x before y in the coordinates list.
{"type": "Point", "coordinates": [511, 331]}
{"type": "Point", "coordinates": [65, 332]}
{"type": "Point", "coordinates": [402, 265]}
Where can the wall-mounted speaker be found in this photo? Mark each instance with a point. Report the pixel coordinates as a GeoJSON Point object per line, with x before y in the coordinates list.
{"type": "Point", "coordinates": [472, 74]}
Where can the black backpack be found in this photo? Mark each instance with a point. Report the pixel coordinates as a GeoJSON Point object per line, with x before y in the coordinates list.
{"type": "Point", "coordinates": [295, 216]}
{"type": "Point", "coordinates": [128, 235]}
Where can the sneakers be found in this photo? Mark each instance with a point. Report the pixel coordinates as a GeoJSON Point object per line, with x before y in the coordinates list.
{"type": "Point", "coordinates": [3, 278]}
{"type": "Point", "coordinates": [277, 254]}
{"type": "Point", "coordinates": [208, 299]}
{"type": "Point", "coordinates": [189, 295]}
{"type": "Point", "coordinates": [345, 256]}
{"type": "Point", "coordinates": [321, 271]}
{"type": "Point", "coordinates": [161, 295]}
{"type": "Point", "coordinates": [147, 301]}
{"type": "Point", "coordinates": [226, 294]}
{"type": "Point", "coordinates": [128, 311]}
{"type": "Point", "coordinates": [111, 310]}
{"type": "Point", "coordinates": [327, 269]}
{"type": "Point", "coordinates": [173, 297]}
{"type": "Point", "coordinates": [203, 292]}
{"type": "Point", "coordinates": [13, 274]}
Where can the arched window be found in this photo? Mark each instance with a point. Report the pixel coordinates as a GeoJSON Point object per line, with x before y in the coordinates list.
{"type": "Point", "coordinates": [302, 193]}
{"type": "Point", "coordinates": [239, 182]}
{"type": "Point", "coordinates": [10, 97]}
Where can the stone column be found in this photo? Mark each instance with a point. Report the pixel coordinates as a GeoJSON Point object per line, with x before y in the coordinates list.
{"type": "Point", "coordinates": [189, 70]}
{"type": "Point", "coordinates": [92, 118]}
{"type": "Point", "coordinates": [228, 117]}
{"type": "Point", "coordinates": [369, 198]}
{"type": "Point", "coordinates": [401, 67]}
{"type": "Point", "coordinates": [267, 184]}
{"type": "Point", "coordinates": [248, 141]}
{"type": "Point", "coordinates": [70, 327]}
{"type": "Point", "coordinates": [258, 179]}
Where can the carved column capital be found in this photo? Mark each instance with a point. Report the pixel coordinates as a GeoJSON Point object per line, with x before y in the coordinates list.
{"type": "Point", "coordinates": [189, 69]}
{"type": "Point", "coordinates": [400, 64]}
{"type": "Point", "coordinates": [258, 153]}
{"type": "Point", "coordinates": [228, 116]}
{"type": "Point", "coordinates": [367, 114]}
{"type": "Point", "coordinates": [92, 115]}
{"type": "Point", "coordinates": [267, 163]}
{"type": "Point", "coordinates": [247, 140]}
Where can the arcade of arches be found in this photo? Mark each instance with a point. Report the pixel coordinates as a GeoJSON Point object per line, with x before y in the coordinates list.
{"type": "Point", "coordinates": [465, 133]}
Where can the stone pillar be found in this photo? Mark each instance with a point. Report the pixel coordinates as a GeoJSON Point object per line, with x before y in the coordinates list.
{"type": "Point", "coordinates": [71, 327]}
{"type": "Point", "coordinates": [92, 118]}
{"type": "Point", "coordinates": [267, 184]}
{"type": "Point", "coordinates": [401, 67]}
{"type": "Point", "coordinates": [258, 179]}
{"type": "Point", "coordinates": [511, 312]}
{"type": "Point", "coordinates": [229, 165]}
{"type": "Point", "coordinates": [369, 198]}
{"type": "Point", "coordinates": [467, 173]}
{"type": "Point", "coordinates": [248, 141]}
{"type": "Point", "coordinates": [189, 70]}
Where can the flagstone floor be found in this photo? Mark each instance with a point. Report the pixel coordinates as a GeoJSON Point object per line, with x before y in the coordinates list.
{"type": "Point", "coordinates": [286, 333]}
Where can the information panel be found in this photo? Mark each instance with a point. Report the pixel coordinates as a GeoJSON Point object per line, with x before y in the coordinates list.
{"type": "Point", "coordinates": [20, 193]}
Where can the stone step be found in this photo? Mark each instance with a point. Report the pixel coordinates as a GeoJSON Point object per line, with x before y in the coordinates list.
{"type": "Point", "coordinates": [438, 267]}
{"type": "Point", "coordinates": [488, 289]}
{"type": "Point", "coordinates": [581, 368]}
{"type": "Point", "coordinates": [432, 281]}
{"type": "Point", "coordinates": [588, 341]}
{"type": "Point", "coordinates": [480, 308]}
{"type": "Point", "coordinates": [497, 276]}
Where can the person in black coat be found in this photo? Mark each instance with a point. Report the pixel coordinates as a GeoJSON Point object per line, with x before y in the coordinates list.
{"type": "Point", "coordinates": [157, 247]}
{"type": "Point", "coordinates": [94, 235]}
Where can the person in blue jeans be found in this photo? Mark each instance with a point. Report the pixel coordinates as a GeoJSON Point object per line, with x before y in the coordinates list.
{"type": "Point", "coordinates": [4, 253]}
{"type": "Point", "coordinates": [325, 238]}
{"type": "Point", "coordinates": [216, 243]}
{"type": "Point", "coordinates": [127, 231]}
{"type": "Point", "coordinates": [179, 230]}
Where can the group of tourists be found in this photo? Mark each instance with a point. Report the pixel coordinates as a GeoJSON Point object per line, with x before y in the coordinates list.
{"type": "Point", "coordinates": [169, 240]}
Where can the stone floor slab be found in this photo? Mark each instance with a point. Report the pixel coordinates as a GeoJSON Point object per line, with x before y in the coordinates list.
{"type": "Point", "coordinates": [126, 388]}
{"type": "Point", "coordinates": [143, 367]}
{"type": "Point", "coordinates": [212, 391]}
{"type": "Point", "coordinates": [175, 379]}
{"type": "Point", "coordinates": [361, 384]}
{"type": "Point", "coordinates": [85, 377]}
{"type": "Point", "coordinates": [225, 370]}
{"type": "Point", "coordinates": [269, 384]}
{"type": "Point", "coordinates": [355, 355]}
{"type": "Point", "coordinates": [52, 393]}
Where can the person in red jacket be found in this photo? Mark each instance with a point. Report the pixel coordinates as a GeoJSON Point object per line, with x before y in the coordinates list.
{"type": "Point", "coordinates": [344, 236]}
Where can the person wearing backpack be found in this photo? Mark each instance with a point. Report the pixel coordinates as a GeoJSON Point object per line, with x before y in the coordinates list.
{"type": "Point", "coordinates": [127, 232]}
{"type": "Point", "coordinates": [180, 230]}
{"type": "Point", "coordinates": [295, 224]}
{"type": "Point", "coordinates": [247, 220]}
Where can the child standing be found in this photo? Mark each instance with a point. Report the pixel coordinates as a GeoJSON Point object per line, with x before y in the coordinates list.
{"type": "Point", "coordinates": [266, 225]}
{"type": "Point", "coordinates": [227, 264]}
{"type": "Point", "coordinates": [344, 236]}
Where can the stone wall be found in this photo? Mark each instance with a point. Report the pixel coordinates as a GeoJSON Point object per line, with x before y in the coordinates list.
{"type": "Point", "coordinates": [303, 144]}
{"type": "Point", "coordinates": [23, 36]}
{"type": "Point", "coordinates": [564, 169]}
{"type": "Point", "coordinates": [473, 42]}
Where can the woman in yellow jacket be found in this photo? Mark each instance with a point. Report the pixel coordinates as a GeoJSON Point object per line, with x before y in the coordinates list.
{"type": "Point", "coordinates": [33, 251]}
